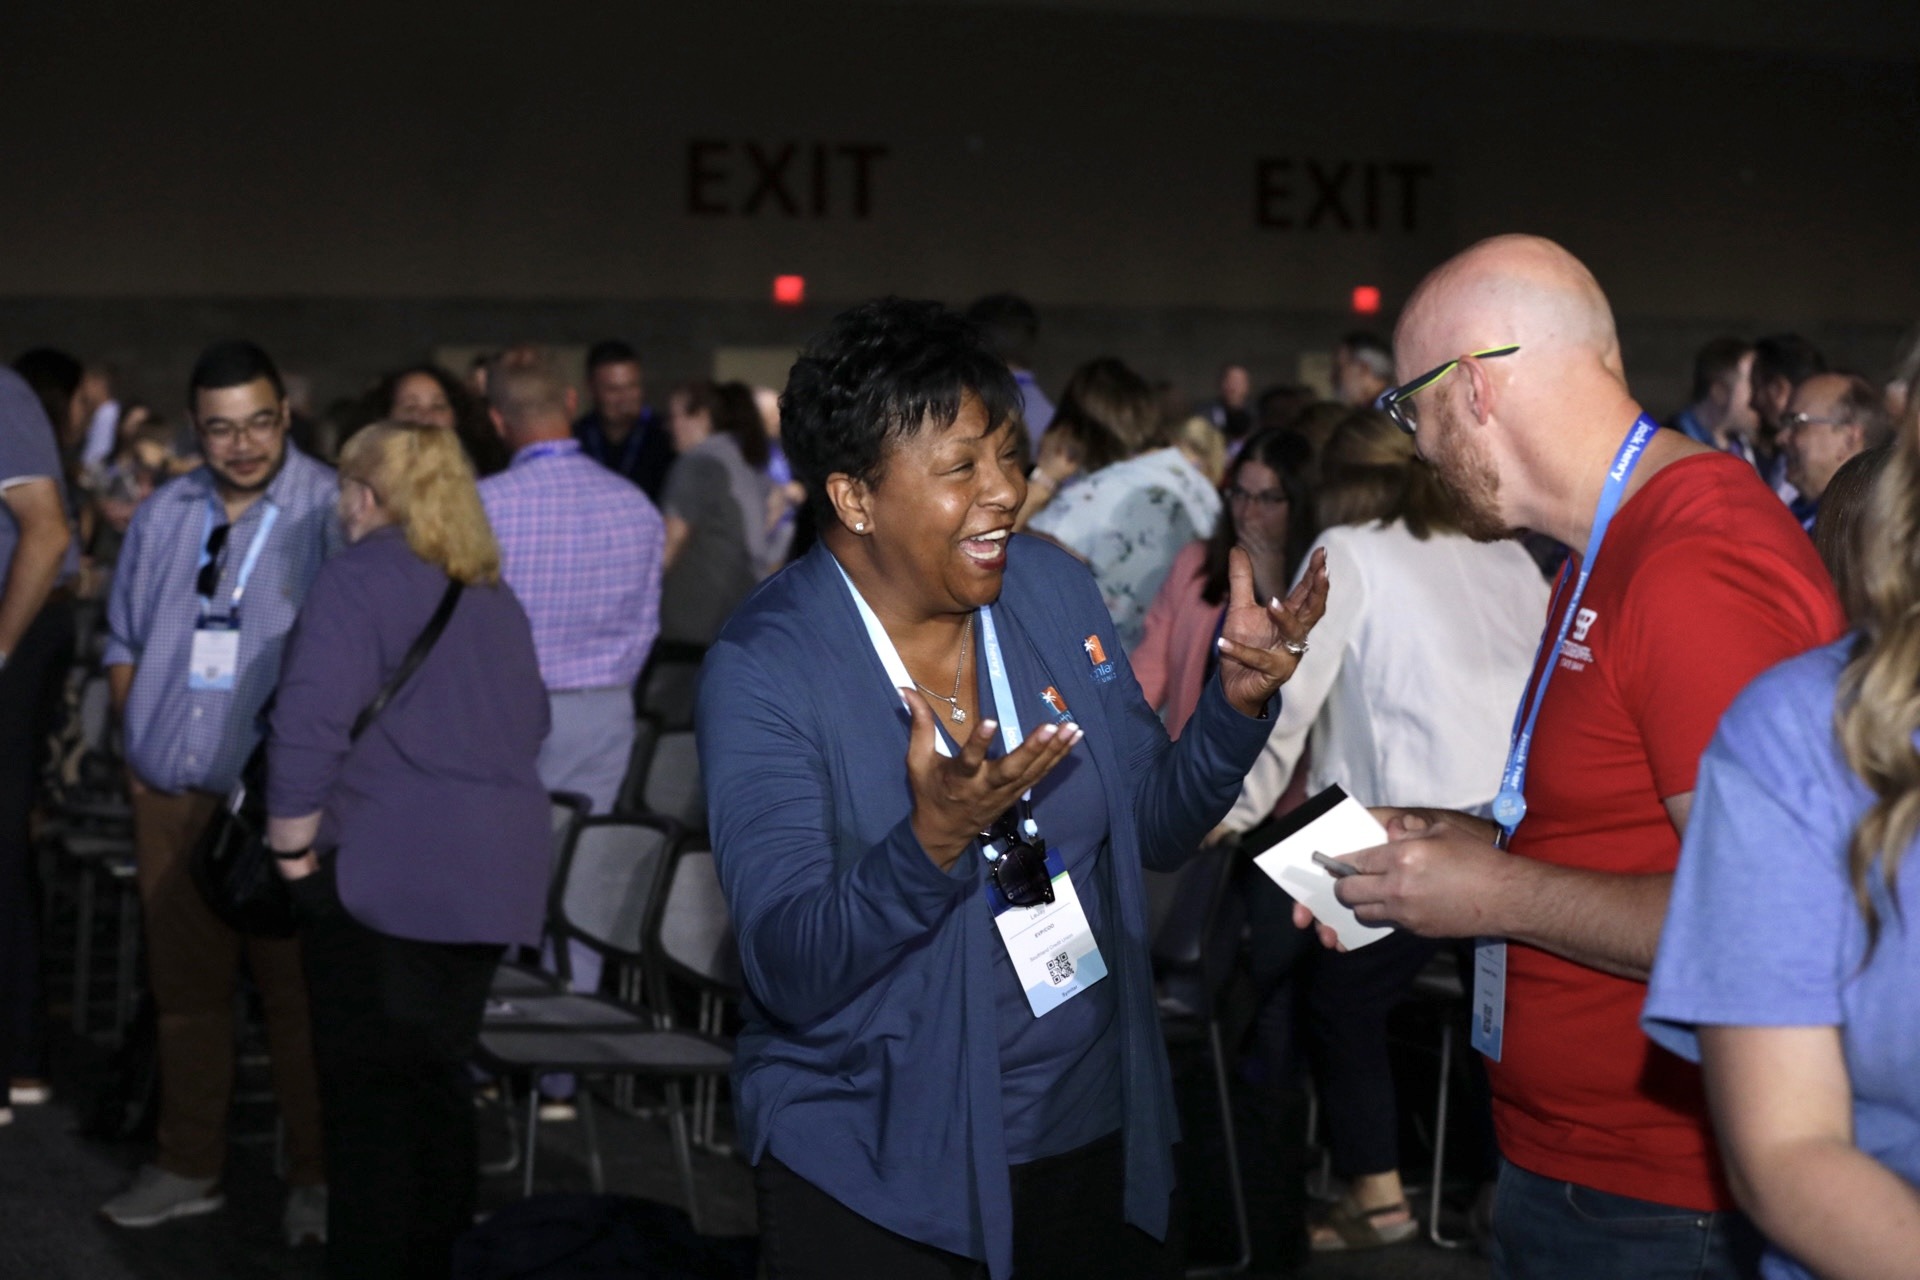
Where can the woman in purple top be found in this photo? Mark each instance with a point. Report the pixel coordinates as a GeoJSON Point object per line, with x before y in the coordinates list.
{"type": "Point", "coordinates": [430, 832]}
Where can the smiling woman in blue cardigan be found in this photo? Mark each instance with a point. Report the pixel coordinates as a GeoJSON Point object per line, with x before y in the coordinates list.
{"type": "Point", "coordinates": [934, 783]}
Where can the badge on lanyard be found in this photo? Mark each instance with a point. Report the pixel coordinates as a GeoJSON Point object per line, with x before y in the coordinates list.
{"type": "Point", "coordinates": [215, 659]}
{"type": "Point", "coordinates": [1051, 943]}
{"type": "Point", "coordinates": [213, 663]}
{"type": "Point", "coordinates": [1510, 806]}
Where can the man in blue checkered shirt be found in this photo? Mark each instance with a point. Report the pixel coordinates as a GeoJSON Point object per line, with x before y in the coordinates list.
{"type": "Point", "coordinates": [214, 568]}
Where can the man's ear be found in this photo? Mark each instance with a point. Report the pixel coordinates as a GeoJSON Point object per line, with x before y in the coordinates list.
{"type": "Point", "coordinates": [499, 423]}
{"type": "Point", "coordinates": [851, 500]}
{"type": "Point", "coordinates": [1480, 394]}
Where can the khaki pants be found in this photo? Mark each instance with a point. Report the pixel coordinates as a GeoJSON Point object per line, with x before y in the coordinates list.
{"type": "Point", "coordinates": [193, 960]}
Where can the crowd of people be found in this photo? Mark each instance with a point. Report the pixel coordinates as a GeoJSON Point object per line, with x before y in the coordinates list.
{"type": "Point", "coordinates": [1635, 702]}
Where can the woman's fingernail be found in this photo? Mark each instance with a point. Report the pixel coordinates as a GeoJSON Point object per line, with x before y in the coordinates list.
{"type": "Point", "coordinates": [988, 726]}
{"type": "Point", "coordinates": [1047, 732]}
{"type": "Point", "coordinates": [1274, 603]}
{"type": "Point", "coordinates": [1221, 644]}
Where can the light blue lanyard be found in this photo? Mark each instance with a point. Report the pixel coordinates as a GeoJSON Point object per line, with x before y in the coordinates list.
{"type": "Point", "coordinates": [252, 558]}
{"type": "Point", "coordinates": [1004, 708]}
{"type": "Point", "coordinates": [1510, 806]}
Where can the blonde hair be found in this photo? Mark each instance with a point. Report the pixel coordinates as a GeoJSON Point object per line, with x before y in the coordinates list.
{"type": "Point", "coordinates": [1205, 448]}
{"type": "Point", "coordinates": [1878, 708]}
{"type": "Point", "coordinates": [423, 479]}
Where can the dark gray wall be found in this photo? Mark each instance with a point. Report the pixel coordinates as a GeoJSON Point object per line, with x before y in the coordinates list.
{"type": "Point", "coordinates": [354, 185]}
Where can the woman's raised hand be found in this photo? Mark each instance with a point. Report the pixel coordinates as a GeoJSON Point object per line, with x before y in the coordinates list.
{"type": "Point", "coordinates": [956, 798]}
{"type": "Point", "coordinates": [1254, 657]}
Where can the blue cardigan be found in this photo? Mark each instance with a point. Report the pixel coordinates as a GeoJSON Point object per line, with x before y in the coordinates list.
{"type": "Point", "coordinates": [869, 1059]}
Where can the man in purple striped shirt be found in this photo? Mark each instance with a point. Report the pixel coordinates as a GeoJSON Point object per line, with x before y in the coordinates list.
{"type": "Point", "coordinates": [582, 548]}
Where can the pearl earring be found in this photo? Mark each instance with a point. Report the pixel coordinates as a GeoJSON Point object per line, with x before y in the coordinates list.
{"type": "Point", "coordinates": [860, 526]}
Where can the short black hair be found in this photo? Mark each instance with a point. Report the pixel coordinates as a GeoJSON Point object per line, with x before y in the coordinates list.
{"type": "Point", "coordinates": [233, 362]}
{"type": "Point", "coordinates": [1010, 324]}
{"type": "Point", "coordinates": [610, 351]}
{"type": "Point", "coordinates": [1786, 355]}
{"type": "Point", "coordinates": [878, 374]}
{"type": "Point", "coordinates": [1715, 363]}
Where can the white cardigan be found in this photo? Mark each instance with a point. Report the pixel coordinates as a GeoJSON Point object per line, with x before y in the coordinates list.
{"type": "Point", "coordinates": [1413, 675]}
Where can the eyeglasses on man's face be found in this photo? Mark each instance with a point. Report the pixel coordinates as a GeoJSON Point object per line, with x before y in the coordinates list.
{"type": "Point", "coordinates": [1801, 418]}
{"type": "Point", "coordinates": [1397, 402]}
{"type": "Point", "coordinates": [223, 432]}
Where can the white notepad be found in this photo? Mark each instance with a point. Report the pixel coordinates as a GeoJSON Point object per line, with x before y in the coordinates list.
{"type": "Point", "coordinates": [1332, 823]}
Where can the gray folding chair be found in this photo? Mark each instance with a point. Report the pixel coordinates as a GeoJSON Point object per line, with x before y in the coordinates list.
{"type": "Point", "coordinates": [632, 798]}
{"type": "Point", "coordinates": [695, 944]}
{"type": "Point", "coordinates": [610, 895]}
{"type": "Point", "coordinates": [673, 789]}
{"type": "Point", "coordinates": [667, 688]}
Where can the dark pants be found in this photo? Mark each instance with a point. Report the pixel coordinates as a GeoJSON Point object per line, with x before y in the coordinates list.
{"type": "Point", "coordinates": [1545, 1229]}
{"type": "Point", "coordinates": [30, 687]}
{"type": "Point", "coordinates": [1344, 999]}
{"type": "Point", "coordinates": [394, 1023]}
{"type": "Point", "coordinates": [1067, 1223]}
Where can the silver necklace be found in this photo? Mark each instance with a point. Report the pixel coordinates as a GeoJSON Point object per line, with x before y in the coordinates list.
{"type": "Point", "coordinates": [959, 716]}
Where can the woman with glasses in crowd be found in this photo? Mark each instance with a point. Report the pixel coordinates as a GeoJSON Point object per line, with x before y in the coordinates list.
{"type": "Point", "coordinates": [1268, 514]}
{"type": "Point", "coordinates": [1409, 691]}
{"type": "Point", "coordinates": [1789, 963]}
{"type": "Point", "coordinates": [934, 787]}
{"type": "Point", "coordinates": [417, 849]}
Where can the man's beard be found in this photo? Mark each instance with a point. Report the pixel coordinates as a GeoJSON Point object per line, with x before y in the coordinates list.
{"type": "Point", "coordinates": [1462, 467]}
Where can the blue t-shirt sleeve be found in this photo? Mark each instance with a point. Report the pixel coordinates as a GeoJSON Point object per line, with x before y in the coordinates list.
{"type": "Point", "coordinates": [1761, 928]}
{"type": "Point", "coordinates": [28, 450]}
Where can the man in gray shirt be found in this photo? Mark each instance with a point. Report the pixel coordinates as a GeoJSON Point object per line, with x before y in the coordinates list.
{"type": "Point", "coordinates": [36, 647]}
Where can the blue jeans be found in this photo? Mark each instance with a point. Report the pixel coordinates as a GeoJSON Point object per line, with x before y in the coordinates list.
{"type": "Point", "coordinates": [1555, 1230]}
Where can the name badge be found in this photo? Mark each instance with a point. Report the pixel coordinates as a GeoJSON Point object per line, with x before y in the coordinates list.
{"type": "Point", "coordinates": [1489, 995]}
{"type": "Point", "coordinates": [1051, 945]}
{"type": "Point", "coordinates": [215, 658]}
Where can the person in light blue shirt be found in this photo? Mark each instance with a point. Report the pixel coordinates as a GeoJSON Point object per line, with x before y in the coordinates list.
{"type": "Point", "coordinates": [1789, 965]}
{"type": "Point", "coordinates": [215, 566]}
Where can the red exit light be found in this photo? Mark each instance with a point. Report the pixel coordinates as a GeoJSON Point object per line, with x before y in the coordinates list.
{"type": "Point", "coordinates": [789, 291]}
{"type": "Point", "coordinates": [1366, 300]}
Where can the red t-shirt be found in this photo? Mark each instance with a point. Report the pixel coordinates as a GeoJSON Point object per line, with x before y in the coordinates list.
{"type": "Point", "coordinates": [1704, 581]}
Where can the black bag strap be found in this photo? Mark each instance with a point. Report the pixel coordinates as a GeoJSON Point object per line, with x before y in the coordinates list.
{"type": "Point", "coordinates": [422, 646]}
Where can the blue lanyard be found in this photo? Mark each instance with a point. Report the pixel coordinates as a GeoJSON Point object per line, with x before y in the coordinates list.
{"type": "Point", "coordinates": [1510, 806]}
{"type": "Point", "coordinates": [545, 449]}
{"type": "Point", "coordinates": [254, 548]}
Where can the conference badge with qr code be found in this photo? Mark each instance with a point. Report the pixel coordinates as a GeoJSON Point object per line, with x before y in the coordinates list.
{"type": "Point", "coordinates": [1052, 947]}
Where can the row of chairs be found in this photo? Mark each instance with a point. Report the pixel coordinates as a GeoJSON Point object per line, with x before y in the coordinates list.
{"type": "Point", "coordinates": [636, 889]}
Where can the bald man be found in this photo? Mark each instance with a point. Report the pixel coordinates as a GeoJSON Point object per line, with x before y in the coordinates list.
{"type": "Point", "coordinates": [1514, 390]}
{"type": "Point", "coordinates": [1830, 418]}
